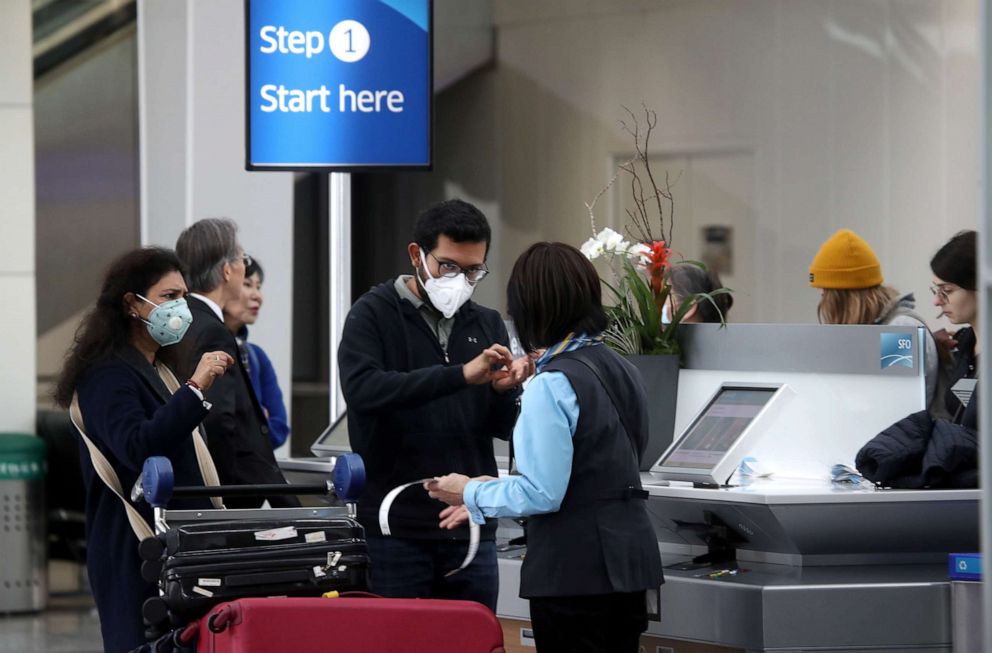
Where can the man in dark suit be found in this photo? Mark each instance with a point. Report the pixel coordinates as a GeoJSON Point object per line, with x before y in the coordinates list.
{"type": "Point", "coordinates": [236, 428]}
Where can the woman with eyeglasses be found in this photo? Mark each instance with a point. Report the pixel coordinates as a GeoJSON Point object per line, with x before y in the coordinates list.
{"type": "Point", "coordinates": [849, 277]}
{"type": "Point", "coordinates": [127, 410]}
{"type": "Point", "coordinates": [954, 283]}
{"type": "Point", "coordinates": [919, 451]}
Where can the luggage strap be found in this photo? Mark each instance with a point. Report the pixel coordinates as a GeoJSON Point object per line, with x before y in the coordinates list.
{"type": "Point", "coordinates": [105, 470]}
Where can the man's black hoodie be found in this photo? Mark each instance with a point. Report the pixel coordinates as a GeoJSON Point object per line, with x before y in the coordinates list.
{"type": "Point", "coordinates": [411, 414]}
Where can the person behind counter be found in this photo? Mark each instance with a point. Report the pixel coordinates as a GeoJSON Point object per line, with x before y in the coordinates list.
{"type": "Point", "coordinates": [238, 316]}
{"type": "Point", "coordinates": [129, 414]}
{"type": "Point", "coordinates": [849, 277]}
{"type": "Point", "coordinates": [954, 284]}
{"type": "Point", "coordinates": [592, 554]}
{"type": "Point", "coordinates": [688, 279]}
{"type": "Point", "coordinates": [919, 451]}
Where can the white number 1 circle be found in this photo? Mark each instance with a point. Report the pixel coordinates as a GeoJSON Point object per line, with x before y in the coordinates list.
{"type": "Point", "coordinates": [349, 41]}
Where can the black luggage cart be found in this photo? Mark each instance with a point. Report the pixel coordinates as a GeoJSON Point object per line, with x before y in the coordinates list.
{"type": "Point", "coordinates": [200, 558]}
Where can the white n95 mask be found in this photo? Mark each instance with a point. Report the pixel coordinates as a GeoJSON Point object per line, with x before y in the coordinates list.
{"type": "Point", "coordinates": [447, 294]}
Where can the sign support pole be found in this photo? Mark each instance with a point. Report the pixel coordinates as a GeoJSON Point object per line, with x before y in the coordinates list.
{"type": "Point", "coordinates": [339, 251]}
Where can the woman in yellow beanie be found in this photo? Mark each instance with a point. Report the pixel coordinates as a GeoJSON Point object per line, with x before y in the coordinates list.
{"type": "Point", "coordinates": [849, 277]}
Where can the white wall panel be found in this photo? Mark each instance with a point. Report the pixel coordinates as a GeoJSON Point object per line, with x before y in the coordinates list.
{"type": "Point", "coordinates": [17, 188]}
{"type": "Point", "coordinates": [916, 162]}
{"type": "Point", "coordinates": [859, 113]}
{"type": "Point", "coordinates": [15, 53]}
{"type": "Point", "coordinates": [17, 355]}
{"type": "Point", "coordinates": [17, 276]}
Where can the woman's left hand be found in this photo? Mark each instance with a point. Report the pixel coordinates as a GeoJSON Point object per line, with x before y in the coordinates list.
{"type": "Point", "coordinates": [449, 489]}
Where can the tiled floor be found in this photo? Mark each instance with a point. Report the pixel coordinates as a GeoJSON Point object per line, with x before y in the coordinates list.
{"type": "Point", "coordinates": [69, 625]}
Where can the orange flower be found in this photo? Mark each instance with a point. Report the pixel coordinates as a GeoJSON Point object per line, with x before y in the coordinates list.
{"type": "Point", "coordinates": [657, 263]}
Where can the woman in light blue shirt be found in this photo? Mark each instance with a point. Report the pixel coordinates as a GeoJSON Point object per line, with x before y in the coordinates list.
{"type": "Point", "coordinates": [592, 554]}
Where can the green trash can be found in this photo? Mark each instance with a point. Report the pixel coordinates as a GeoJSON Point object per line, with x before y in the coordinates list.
{"type": "Point", "coordinates": [24, 572]}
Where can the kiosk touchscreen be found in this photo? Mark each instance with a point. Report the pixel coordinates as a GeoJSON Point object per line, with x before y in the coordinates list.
{"type": "Point", "coordinates": [716, 441]}
{"type": "Point", "coordinates": [334, 439]}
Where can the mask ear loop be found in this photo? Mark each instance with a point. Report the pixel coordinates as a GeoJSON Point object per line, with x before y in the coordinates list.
{"type": "Point", "coordinates": [137, 316]}
{"type": "Point", "coordinates": [146, 300]}
{"type": "Point", "coordinates": [427, 269]}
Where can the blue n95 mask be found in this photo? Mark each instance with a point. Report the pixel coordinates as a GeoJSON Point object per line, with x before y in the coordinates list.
{"type": "Point", "coordinates": [168, 321]}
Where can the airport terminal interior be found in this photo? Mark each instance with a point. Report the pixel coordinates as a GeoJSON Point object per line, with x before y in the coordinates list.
{"type": "Point", "coordinates": [784, 205]}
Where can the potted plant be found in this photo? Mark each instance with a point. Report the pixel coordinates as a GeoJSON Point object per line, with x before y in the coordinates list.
{"type": "Point", "coordinates": [639, 288]}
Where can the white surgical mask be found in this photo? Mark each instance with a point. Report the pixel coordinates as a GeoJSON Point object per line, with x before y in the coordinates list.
{"type": "Point", "coordinates": [447, 294]}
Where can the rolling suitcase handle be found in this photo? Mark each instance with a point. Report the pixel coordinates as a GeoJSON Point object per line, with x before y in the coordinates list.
{"type": "Point", "coordinates": [156, 483]}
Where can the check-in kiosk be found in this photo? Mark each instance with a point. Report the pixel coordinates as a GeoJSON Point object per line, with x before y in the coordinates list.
{"type": "Point", "coordinates": [717, 441]}
{"type": "Point", "coordinates": [782, 558]}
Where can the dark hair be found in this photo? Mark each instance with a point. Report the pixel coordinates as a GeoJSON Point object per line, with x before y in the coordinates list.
{"type": "Point", "coordinates": [456, 219]}
{"type": "Point", "coordinates": [955, 261]}
{"type": "Point", "coordinates": [553, 291]}
{"type": "Point", "coordinates": [204, 247]}
{"type": "Point", "coordinates": [255, 268]}
{"type": "Point", "coordinates": [107, 327]}
{"type": "Point", "coordinates": [688, 279]}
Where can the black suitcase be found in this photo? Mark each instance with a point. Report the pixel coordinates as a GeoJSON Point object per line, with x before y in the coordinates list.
{"type": "Point", "coordinates": [192, 582]}
{"type": "Point", "coordinates": [254, 553]}
{"type": "Point", "coordinates": [222, 535]}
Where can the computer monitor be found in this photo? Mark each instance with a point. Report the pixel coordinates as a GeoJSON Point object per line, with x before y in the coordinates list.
{"type": "Point", "coordinates": [722, 434]}
{"type": "Point", "coordinates": [334, 439]}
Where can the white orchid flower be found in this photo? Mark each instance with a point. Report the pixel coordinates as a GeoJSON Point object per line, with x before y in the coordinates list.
{"type": "Point", "coordinates": [592, 249]}
{"type": "Point", "coordinates": [611, 240]}
{"type": "Point", "coordinates": [641, 251]}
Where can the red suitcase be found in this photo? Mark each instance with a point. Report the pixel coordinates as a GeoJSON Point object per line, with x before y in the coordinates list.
{"type": "Point", "coordinates": [350, 625]}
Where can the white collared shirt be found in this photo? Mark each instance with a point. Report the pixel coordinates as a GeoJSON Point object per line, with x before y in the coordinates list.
{"type": "Point", "coordinates": [211, 303]}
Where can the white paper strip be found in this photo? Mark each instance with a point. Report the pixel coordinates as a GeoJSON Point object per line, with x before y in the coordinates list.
{"type": "Point", "coordinates": [473, 528]}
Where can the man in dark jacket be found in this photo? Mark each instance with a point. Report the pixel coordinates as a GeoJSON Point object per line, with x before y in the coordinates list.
{"type": "Point", "coordinates": [429, 383]}
{"type": "Point", "coordinates": [236, 428]}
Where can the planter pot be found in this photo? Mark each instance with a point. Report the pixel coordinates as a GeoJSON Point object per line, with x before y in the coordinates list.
{"type": "Point", "coordinates": [661, 380]}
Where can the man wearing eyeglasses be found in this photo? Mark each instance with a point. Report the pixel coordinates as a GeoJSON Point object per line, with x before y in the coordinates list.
{"type": "Point", "coordinates": [429, 382]}
{"type": "Point", "coordinates": [236, 428]}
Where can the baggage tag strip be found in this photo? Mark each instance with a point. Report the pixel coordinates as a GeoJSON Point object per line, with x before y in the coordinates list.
{"type": "Point", "coordinates": [473, 528]}
{"type": "Point", "coordinates": [276, 534]}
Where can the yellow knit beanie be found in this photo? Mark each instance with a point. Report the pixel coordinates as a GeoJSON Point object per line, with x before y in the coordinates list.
{"type": "Point", "coordinates": [845, 261]}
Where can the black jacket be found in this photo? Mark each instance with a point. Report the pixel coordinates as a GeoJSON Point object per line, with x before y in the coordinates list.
{"type": "Point", "coordinates": [964, 366]}
{"type": "Point", "coordinates": [236, 429]}
{"type": "Point", "coordinates": [130, 415]}
{"type": "Point", "coordinates": [920, 452]}
{"type": "Point", "coordinates": [411, 415]}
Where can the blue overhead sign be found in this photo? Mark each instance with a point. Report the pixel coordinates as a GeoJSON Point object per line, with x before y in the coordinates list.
{"type": "Point", "coordinates": [339, 84]}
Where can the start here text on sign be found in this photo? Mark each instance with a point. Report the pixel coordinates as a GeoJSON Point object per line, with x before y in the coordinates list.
{"type": "Point", "coordinates": [337, 43]}
{"type": "Point", "coordinates": [295, 100]}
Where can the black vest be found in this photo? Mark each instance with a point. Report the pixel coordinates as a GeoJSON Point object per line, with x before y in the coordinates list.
{"type": "Point", "coordinates": [600, 541]}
